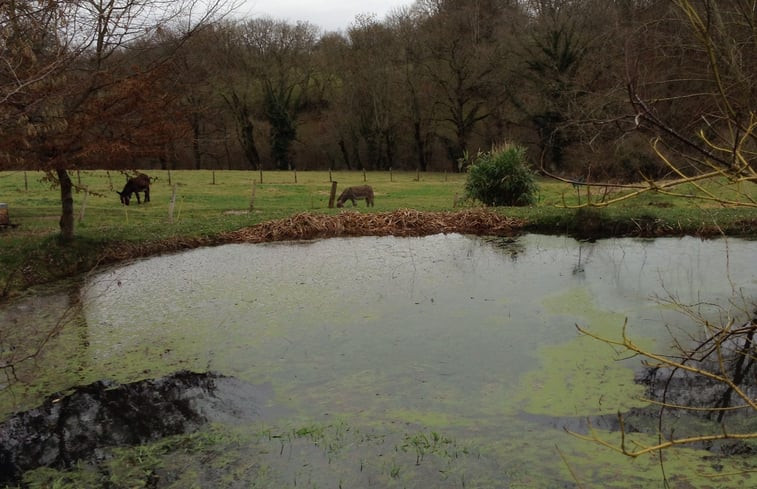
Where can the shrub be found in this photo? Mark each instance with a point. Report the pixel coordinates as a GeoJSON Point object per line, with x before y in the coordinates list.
{"type": "Point", "coordinates": [502, 177]}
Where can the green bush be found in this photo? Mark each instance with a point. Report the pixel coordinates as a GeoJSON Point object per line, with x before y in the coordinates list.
{"type": "Point", "coordinates": [501, 177]}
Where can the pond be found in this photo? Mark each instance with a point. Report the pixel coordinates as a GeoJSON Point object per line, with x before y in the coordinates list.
{"type": "Point", "coordinates": [440, 361]}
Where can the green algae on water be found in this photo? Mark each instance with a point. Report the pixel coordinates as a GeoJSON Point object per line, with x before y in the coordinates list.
{"type": "Point", "coordinates": [583, 376]}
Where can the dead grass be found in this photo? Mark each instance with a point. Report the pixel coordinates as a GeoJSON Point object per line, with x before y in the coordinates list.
{"type": "Point", "coordinates": [306, 225]}
{"type": "Point", "coordinates": [402, 222]}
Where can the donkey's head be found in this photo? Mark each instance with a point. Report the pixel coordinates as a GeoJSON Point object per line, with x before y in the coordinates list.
{"type": "Point", "coordinates": [140, 183]}
{"type": "Point", "coordinates": [125, 196]}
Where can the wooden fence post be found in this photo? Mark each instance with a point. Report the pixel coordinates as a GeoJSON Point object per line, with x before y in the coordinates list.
{"type": "Point", "coordinates": [252, 197]}
{"type": "Point", "coordinates": [171, 205]}
{"type": "Point", "coordinates": [83, 204]}
{"type": "Point", "coordinates": [332, 195]}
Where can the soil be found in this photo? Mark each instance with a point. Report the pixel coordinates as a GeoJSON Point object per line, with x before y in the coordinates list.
{"type": "Point", "coordinates": [82, 424]}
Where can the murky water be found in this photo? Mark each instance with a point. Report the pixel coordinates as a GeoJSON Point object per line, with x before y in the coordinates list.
{"type": "Point", "coordinates": [442, 361]}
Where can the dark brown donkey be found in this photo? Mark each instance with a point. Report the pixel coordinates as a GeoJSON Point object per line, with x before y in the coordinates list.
{"type": "Point", "coordinates": [140, 183]}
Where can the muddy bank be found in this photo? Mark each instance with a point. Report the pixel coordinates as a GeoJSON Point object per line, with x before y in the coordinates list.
{"type": "Point", "coordinates": [80, 425]}
{"type": "Point", "coordinates": [677, 387]}
{"type": "Point", "coordinates": [589, 223]}
{"type": "Point", "coordinates": [592, 224]}
{"type": "Point", "coordinates": [715, 383]}
{"type": "Point", "coordinates": [718, 373]}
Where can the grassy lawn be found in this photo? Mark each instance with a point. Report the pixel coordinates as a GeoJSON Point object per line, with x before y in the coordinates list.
{"type": "Point", "coordinates": [208, 202]}
{"type": "Point", "coordinates": [190, 204]}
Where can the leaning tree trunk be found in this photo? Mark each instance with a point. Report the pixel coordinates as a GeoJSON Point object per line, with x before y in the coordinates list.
{"type": "Point", "coordinates": [196, 134]}
{"type": "Point", "coordinates": [420, 146]}
{"type": "Point", "coordinates": [345, 154]}
{"type": "Point", "coordinates": [245, 129]}
{"type": "Point", "coordinates": [67, 202]}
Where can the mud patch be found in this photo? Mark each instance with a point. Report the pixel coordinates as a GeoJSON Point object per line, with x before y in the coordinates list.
{"type": "Point", "coordinates": [719, 370]}
{"type": "Point", "coordinates": [81, 424]}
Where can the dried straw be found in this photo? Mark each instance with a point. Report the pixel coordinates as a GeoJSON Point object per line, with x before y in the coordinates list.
{"type": "Point", "coordinates": [402, 222]}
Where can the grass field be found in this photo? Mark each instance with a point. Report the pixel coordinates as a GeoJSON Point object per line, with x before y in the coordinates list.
{"type": "Point", "coordinates": [187, 204]}
{"type": "Point", "coordinates": [208, 202]}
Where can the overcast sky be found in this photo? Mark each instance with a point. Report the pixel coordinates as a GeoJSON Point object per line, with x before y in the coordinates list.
{"type": "Point", "coordinates": [330, 15]}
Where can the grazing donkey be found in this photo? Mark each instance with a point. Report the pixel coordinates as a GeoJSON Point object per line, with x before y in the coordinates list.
{"type": "Point", "coordinates": [352, 193]}
{"type": "Point", "coordinates": [140, 183]}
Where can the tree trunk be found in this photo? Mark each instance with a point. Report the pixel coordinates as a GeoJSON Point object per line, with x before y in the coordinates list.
{"type": "Point", "coordinates": [283, 128]}
{"type": "Point", "coordinates": [196, 133]}
{"type": "Point", "coordinates": [345, 154]}
{"type": "Point", "coordinates": [391, 146]}
{"type": "Point", "coordinates": [420, 146]}
{"type": "Point", "coordinates": [67, 203]}
{"type": "Point", "coordinates": [245, 128]}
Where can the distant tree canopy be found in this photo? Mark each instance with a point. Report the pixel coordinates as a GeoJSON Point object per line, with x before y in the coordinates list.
{"type": "Point", "coordinates": [583, 85]}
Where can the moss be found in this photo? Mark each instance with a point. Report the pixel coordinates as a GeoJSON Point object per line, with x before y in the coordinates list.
{"type": "Point", "coordinates": [582, 376]}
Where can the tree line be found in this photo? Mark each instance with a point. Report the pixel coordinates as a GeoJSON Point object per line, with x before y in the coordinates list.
{"type": "Point", "coordinates": [594, 89]}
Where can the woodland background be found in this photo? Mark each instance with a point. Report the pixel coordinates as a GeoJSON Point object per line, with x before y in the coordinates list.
{"type": "Point", "coordinates": [583, 84]}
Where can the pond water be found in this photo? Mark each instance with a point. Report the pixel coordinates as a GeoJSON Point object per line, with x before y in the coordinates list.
{"type": "Point", "coordinates": [440, 361]}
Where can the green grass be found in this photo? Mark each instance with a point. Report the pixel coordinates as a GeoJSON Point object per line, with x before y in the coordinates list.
{"type": "Point", "coordinates": [202, 206]}
{"type": "Point", "coordinates": [211, 202]}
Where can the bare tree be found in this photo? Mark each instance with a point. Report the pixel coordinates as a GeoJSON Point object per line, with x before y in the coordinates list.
{"type": "Point", "coordinates": [372, 71]}
{"type": "Point", "coordinates": [233, 67]}
{"type": "Point", "coordinates": [568, 84]}
{"type": "Point", "coordinates": [418, 107]}
{"type": "Point", "coordinates": [692, 76]}
{"type": "Point", "coordinates": [692, 85]}
{"type": "Point", "coordinates": [267, 74]}
{"type": "Point", "coordinates": [194, 76]}
{"type": "Point", "coordinates": [718, 138]}
{"type": "Point", "coordinates": [31, 52]}
{"type": "Point", "coordinates": [711, 375]}
{"type": "Point", "coordinates": [461, 66]}
{"type": "Point", "coordinates": [83, 101]}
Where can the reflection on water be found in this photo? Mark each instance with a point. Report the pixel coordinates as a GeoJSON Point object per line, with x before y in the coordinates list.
{"type": "Point", "coordinates": [441, 334]}
{"type": "Point", "coordinates": [410, 293]}
{"type": "Point", "coordinates": [39, 335]}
